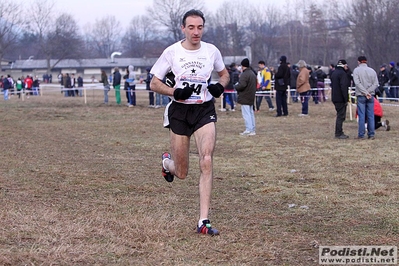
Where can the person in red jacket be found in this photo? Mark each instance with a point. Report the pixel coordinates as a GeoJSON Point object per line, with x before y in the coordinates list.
{"type": "Point", "coordinates": [378, 113]}
{"type": "Point", "coordinates": [28, 85]}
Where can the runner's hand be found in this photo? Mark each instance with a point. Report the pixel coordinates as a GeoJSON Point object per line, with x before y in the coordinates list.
{"type": "Point", "coordinates": [216, 89]}
{"type": "Point", "coordinates": [182, 94]}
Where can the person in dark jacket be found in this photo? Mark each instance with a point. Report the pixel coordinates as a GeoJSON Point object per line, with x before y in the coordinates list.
{"type": "Point", "coordinates": [282, 80]}
{"type": "Point", "coordinates": [313, 84]}
{"type": "Point", "coordinates": [117, 85]}
{"type": "Point", "coordinates": [80, 85]}
{"type": "Point", "coordinates": [383, 80]}
{"type": "Point", "coordinates": [393, 81]}
{"type": "Point", "coordinates": [148, 88]}
{"type": "Point", "coordinates": [6, 86]}
{"type": "Point", "coordinates": [340, 96]}
{"type": "Point", "coordinates": [320, 84]}
{"type": "Point", "coordinates": [293, 85]}
{"type": "Point", "coordinates": [246, 89]}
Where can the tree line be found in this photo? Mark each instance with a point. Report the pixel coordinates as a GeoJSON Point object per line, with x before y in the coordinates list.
{"type": "Point", "coordinates": [318, 32]}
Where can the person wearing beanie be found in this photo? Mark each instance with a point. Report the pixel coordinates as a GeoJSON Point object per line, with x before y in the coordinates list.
{"type": "Point", "coordinates": [282, 80]}
{"type": "Point", "coordinates": [393, 82]}
{"type": "Point", "coordinates": [340, 84]}
{"type": "Point", "coordinates": [246, 89]}
{"type": "Point", "coordinates": [245, 62]}
{"type": "Point", "coordinates": [366, 82]}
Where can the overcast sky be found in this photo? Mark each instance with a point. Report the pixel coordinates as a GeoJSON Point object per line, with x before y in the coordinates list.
{"type": "Point", "coordinates": [87, 11]}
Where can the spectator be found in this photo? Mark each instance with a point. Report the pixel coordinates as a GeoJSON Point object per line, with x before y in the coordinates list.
{"type": "Point", "coordinates": [366, 81]}
{"type": "Point", "coordinates": [229, 90]}
{"type": "Point", "coordinates": [80, 85]}
{"type": "Point", "coordinates": [104, 81]}
{"type": "Point", "coordinates": [303, 87]}
{"type": "Point", "coordinates": [383, 82]}
{"type": "Point", "coordinates": [378, 114]}
{"type": "Point", "coordinates": [340, 84]}
{"type": "Point", "coordinates": [68, 85]}
{"type": "Point", "coordinates": [148, 88]}
{"type": "Point", "coordinates": [246, 90]}
{"type": "Point", "coordinates": [6, 86]}
{"type": "Point", "coordinates": [331, 69]}
{"type": "Point", "coordinates": [117, 85]}
{"type": "Point", "coordinates": [265, 85]}
{"type": "Point", "coordinates": [320, 84]}
{"type": "Point", "coordinates": [28, 85]}
{"type": "Point", "coordinates": [74, 90]}
{"type": "Point", "coordinates": [313, 85]}
{"type": "Point", "coordinates": [130, 86]}
{"type": "Point", "coordinates": [282, 79]}
{"type": "Point", "coordinates": [393, 81]}
{"type": "Point", "coordinates": [293, 84]}
{"type": "Point", "coordinates": [20, 86]}
{"type": "Point", "coordinates": [35, 85]}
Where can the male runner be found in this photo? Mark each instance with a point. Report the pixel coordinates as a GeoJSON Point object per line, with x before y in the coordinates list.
{"type": "Point", "coordinates": [192, 110]}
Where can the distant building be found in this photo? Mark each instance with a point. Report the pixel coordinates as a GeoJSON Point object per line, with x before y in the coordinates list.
{"type": "Point", "coordinates": [85, 67]}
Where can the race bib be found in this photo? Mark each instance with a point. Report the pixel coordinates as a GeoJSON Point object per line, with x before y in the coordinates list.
{"type": "Point", "coordinates": [198, 85]}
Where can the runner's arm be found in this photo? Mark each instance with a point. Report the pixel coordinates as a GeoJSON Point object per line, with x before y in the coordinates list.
{"type": "Point", "coordinates": [158, 86]}
{"type": "Point", "coordinates": [224, 77]}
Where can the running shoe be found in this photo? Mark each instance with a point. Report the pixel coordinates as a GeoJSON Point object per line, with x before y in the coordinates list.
{"type": "Point", "coordinates": [206, 229]}
{"type": "Point", "coordinates": [165, 173]}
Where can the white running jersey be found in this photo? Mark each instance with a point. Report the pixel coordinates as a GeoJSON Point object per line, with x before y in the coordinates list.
{"type": "Point", "coordinates": [192, 68]}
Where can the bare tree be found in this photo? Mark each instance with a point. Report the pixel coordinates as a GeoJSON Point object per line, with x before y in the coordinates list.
{"type": "Point", "coordinates": [11, 24]}
{"type": "Point", "coordinates": [373, 26]}
{"type": "Point", "coordinates": [42, 23]}
{"type": "Point", "coordinates": [104, 37]}
{"type": "Point", "coordinates": [64, 42]}
{"type": "Point", "coordinates": [265, 31]}
{"type": "Point", "coordinates": [169, 13]}
{"type": "Point", "coordinates": [57, 37]}
{"type": "Point", "coordinates": [142, 39]}
{"type": "Point", "coordinates": [228, 30]}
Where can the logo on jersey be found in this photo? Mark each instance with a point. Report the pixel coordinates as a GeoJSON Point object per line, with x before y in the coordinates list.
{"type": "Point", "coordinates": [212, 117]}
{"type": "Point", "coordinates": [182, 59]}
{"type": "Point", "coordinates": [193, 64]}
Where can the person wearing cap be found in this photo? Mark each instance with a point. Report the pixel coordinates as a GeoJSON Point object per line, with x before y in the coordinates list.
{"type": "Point", "coordinates": [366, 81]}
{"type": "Point", "coordinates": [246, 89]}
{"type": "Point", "coordinates": [383, 81]}
{"type": "Point", "coordinates": [282, 80]}
{"type": "Point", "coordinates": [340, 84]}
{"type": "Point", "coordinates": [393, 81]}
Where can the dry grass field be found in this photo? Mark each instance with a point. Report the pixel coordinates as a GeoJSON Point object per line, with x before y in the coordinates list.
{"type": "Point", "coordinates": [81, 184]}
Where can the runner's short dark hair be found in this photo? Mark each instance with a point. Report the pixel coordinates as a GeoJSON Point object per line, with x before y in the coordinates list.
{"type": "Point", "coordinates": [192, 12]}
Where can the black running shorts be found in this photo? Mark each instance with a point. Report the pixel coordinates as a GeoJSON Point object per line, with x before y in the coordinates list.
{"type": "Point", "coordinates": [185, 119]}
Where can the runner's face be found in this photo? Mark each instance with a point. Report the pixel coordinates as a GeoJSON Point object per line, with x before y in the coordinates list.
{"type": "Point", "coordinates": [193, 29]}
